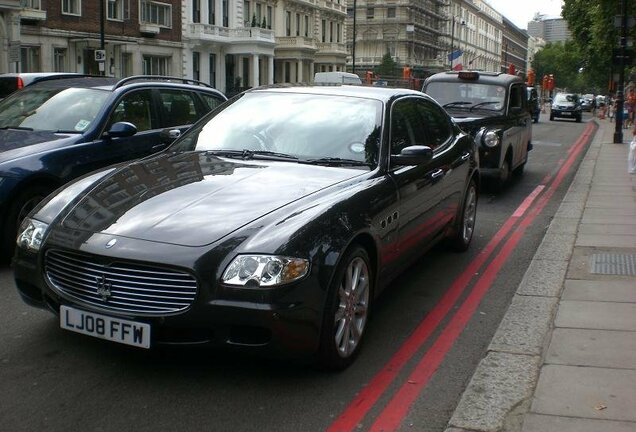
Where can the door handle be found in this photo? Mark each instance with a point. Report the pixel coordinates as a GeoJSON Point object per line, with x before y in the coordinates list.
{"type": "Point", "coordinates": [465, 157]}
{"type": "Point", "coordinates": [438, 173]}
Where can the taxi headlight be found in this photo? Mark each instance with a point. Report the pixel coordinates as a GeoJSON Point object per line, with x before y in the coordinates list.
{"type": "Point", "coordinates": [264, 270]}
{"type": "Point", "coordinates": [31, 234]}
{"type": "Point", "coordinates": [491, 139]}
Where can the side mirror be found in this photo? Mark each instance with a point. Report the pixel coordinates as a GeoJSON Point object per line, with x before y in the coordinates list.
{"type": "Point", "coordinates": [122, 129]}
{"type": "Point", "coordinates": [413, 155]}
{"type": "Point", "coordinates": [169, 135]}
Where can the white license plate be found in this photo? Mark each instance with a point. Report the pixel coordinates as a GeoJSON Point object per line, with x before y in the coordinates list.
{"type": "Point", "coordinates": [565, 113]}
{"type": "Point", "coordinates": [105, 327]}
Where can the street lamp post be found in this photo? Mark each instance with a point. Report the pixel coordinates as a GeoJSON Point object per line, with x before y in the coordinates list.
{"type": "Point", "coordinates": [353, 45]}
{"type": "Point", "coordinates": [620, 91]}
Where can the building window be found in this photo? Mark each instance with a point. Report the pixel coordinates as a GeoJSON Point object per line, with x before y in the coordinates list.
{"type": "Point", "coordinates": [115, 10]}
{"type": "Point", "coordinates": [324, 30]}
{"type": "Point", "coordinates": [246, 13]}
{"type": "Point", "coordinates": [297, 24]}
{"type": "Point", "coordinates": [306, 26]}
{"type": "Point", "coordinates": [29, 59]}
{"type": "Point", "coordinates": [287, 23]}
{"type": "Point", "coordinates": [32, 4]}
{"type": "Point", "coordinates": [156, 65]}
{"type": "Point", "coordinates": [226, 17]}
{"type": "Point", "coordinates": [390, 12]}
{"type": "Point", "coordinates": [196, 11]}
{"type": "Point", "coordinates": [370, 13]}
{"type": "Point", "coordinates": [338, 32]}
{"type": "Point", "coordinates": [213, 70]}
{"type": "Point", "coordinates": [156, 13]}
{"type": "Point", "coordinates": [270, 14]}
{"type": "Point", "coordinates": [212, 12]}
{"type": "Point", "coordinates": [126, 64]}
{"type": "Point", "coordinates": [59, 60]}
{"type": "Point", "coordinates": [72, 7]}
{"type": "Point", "coordinates": [196, 68]}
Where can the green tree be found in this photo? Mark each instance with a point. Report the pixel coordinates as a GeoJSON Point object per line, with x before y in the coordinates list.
{"type": "Point", "coordinates": [563, 60]}
{"type": "Point", "coordinates": [254, 22]}
{"type": "Point", "coordinates": [387, 66]}
{"type": "Point", "coordinates": [594, 33]}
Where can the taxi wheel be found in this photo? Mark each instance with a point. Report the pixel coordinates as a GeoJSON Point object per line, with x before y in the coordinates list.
{"type": "Point", "coordinates": [346, 311]}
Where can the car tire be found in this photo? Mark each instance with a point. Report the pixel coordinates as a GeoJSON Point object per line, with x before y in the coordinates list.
{"type": "Point", "coordinates": [551, 117]}
{"type": "Point", "coordinates": [578, 119]}
{"type": "Point", "coordinates": [463, 234]}
{"type": "Point", "coordinates": [18, 210]}
{"type": "Point", "coordinates": [504, 175]}
{"type": "Point", "coordinates": [346, 311]}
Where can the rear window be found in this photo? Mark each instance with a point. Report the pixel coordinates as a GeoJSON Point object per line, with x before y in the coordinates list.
{"type": "Point", "coordinates": [7, 86]}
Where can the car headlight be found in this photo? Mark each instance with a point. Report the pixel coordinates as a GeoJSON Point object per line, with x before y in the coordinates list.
{"type": "Point", "coordinates": [491, 139]}
{"type": "Point", "coordinates": [264, 270]}
{"type": "Point", "coordinates": [31, 234]}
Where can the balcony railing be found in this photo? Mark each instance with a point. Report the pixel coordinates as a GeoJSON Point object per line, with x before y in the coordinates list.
{"type": "Point", "coordinates": [331, 47]}
{"type": "Point", "coordinates": [32, 10]}
{"type": "Point", "coordinates": [224, 34]}
{"type": "Point", "coordinates": [299, 42]}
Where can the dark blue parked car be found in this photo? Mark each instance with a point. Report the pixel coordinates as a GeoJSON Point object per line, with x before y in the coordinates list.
{"type": "Point", "coordinates": [56, 130]}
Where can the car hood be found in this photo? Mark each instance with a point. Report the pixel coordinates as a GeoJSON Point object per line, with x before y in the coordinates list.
{"type": "Point", "coordinates": [16, 143]}
{"type": "Point", "coordinates": [194, 199]}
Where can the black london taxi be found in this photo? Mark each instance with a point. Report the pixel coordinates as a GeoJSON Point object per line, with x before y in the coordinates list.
{"type": "Point", "coordinates": [493, 107]}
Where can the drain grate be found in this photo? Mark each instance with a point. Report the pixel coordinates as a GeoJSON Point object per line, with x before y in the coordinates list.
{"type": "Point", "coordinates": [614, 264]}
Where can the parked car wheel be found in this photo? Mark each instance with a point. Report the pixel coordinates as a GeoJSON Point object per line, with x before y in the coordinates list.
{"type": "Point", "coordinates": [551, 117]}
{"type": "Point", "coordinates": [346, 312]}
{"type": "Point", "coordinates": [18, 210]}
{"type": "Point", "coordinates": [466, 227]}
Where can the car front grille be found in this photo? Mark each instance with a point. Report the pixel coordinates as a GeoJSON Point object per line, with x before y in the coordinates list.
{"type": "Point", "coordinates": [122, 286]}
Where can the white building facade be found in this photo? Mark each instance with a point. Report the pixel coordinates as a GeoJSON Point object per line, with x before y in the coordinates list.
{"type": "Point", "coordinates": [237, 44]}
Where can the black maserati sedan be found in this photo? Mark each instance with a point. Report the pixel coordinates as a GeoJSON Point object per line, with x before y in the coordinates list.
{"type": "Point", "coordinates": [271, 225]}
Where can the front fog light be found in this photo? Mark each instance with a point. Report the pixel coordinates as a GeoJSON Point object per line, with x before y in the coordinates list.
{"type": "Point", "coordinates": [31, 234]}
{"type": "Point", "coordinates": [264, 270]}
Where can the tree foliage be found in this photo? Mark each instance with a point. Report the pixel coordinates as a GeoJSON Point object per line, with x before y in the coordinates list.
{"type": "Point", "coordinates": [564, 61]}
{"type": "Point", "coordinates": [594, 35]}
{"type": "Point", "coordinates": [387, 66]}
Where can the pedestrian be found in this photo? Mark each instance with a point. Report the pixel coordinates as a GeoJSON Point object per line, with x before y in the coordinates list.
{"type": "Point", "coordinates": [630, 105]}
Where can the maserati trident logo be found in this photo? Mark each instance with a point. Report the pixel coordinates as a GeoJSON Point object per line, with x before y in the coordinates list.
{"type": "Point", "coordinates": [111, 243]}
{"type": "Point", "coordinates": [103, 288]}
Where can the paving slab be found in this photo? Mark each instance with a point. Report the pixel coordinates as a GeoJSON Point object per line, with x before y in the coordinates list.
{"type": "Point", "coordinates": [596, 315]}
{"type": "Point", "coordinates": [586, 392]}
{"type": "Point", "coordinates": [580, 265]}
{"type": "Point", "coordinates": [607, 290]}
{"type": "Point", "coordinates": [543, 423]}
{"type": "Point", "coordinates": [605, 229]}
{"type": "Point", "coordinates": [599, 348]}
{"type": "Point", "coordinates": [606, 240]}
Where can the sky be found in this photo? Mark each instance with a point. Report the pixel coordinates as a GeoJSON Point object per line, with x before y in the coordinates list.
{"type": "Point", "coordinates": [520, 12]}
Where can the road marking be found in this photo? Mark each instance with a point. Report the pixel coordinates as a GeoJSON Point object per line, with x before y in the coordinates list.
{"type": "Point", "coordinates": [398, 407]}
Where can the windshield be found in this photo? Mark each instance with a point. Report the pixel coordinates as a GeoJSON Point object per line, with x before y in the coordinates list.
{"type": "Point", "coordinates": [563, 98]}
{"type": "Point", "coordinates": [303, 126]}
{"type": "Point", "coordinates": [52, 109]}
{"type": "Point", "coordinates": [467, 95]}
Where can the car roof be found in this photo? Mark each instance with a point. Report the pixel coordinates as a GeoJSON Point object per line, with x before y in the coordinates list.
{"type": "Point", "coordinates": [380, 93]}
{"type": "Point", "coordinates": [492, 78]}
{"type": "Point", "coordinates": [111, 83]}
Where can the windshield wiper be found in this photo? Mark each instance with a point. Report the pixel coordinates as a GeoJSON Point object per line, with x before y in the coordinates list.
{"type": "Point", "coordinates": [485, 103]}
{"type": "Point", "coordinates": [16, 127]}
{"type": "Point", "coordinates": [336, 161]}
{"type": "Point", "coordinates": [252, 154]}
{"type": "Point", "coordinates": [456, 104]}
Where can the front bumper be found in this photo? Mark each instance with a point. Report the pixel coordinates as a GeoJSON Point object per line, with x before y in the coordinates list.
{"type": "Point", "coordinates": [284, 320]}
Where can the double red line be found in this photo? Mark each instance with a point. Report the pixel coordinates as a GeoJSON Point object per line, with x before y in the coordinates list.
{"type": "Point", "coordinates": [398, 407]}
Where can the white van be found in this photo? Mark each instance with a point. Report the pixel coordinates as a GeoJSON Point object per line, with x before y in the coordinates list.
{"type": "Point", "coordinates": [336, 78]}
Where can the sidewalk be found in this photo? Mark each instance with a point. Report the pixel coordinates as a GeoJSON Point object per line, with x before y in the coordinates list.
{"type": "Point", "coordinates": [564, 357]}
